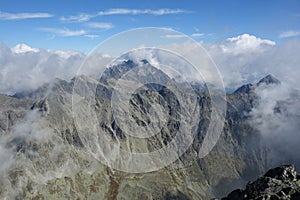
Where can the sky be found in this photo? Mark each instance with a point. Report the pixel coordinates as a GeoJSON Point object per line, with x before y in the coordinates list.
{"type": "Point", "coordinates": [81, 25]}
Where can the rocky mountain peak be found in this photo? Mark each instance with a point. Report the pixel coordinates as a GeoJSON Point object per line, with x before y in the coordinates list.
{"type": "Point", "coordinates": [248, 88]}
{"type": "Point", "coordinates": [269, 79]}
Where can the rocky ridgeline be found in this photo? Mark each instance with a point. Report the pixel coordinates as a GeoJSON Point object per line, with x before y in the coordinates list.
{"type": "Point", "coordinates": [278, 183]}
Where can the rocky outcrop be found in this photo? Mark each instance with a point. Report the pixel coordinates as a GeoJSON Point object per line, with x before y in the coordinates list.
{"type": "Point", "coordinates": [278, 183]}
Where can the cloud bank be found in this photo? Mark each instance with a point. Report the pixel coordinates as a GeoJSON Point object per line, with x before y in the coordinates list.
{"type": "Point", "coordinates": [26, 69]}
{"type": "Point", "coordinates": [277, 119]}
{"type": "Point", "coordinates": [241, 59]}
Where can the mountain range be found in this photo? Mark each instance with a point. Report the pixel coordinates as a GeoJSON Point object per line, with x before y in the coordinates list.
{"type": "Point", "coordinates": [45, 157]}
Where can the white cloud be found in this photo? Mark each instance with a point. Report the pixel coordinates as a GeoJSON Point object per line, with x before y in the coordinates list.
{"type": "Point", "coordinates": [289, 34]}
{"type": "Point", "coordinates": [29, 70]}
{"type": "Point", "coordinates": [23, 48]}
{"type": "Point", "coordinates": [174, 36]}
{"type": "Point", "coordinates": [242, 62]}
{"type": "Point", "coordinates": [100, 25]}
{"type": "Point", "coordinates": [83, 17]}
{"type": "Point", "coordinates": [64, 32]}
{"type": "Point", "coordinates": [91, 36]}
{"type": "Point", "coordinates": [20, 16]}
{"type": "Point", "coordinates": [247, 58]}
{"type": "Point", "coordinates": [123, 11]}
{"type": "Point", "coordinates": [248, 61]}
{"type": "Point", "coordinates": [79, 18]}
{"type": "Point", "coordinates": [197, 34]}
{"type": "Point", "coordinates": [276, 117]}
{"type": "Point", "coordinates": [245, 43]}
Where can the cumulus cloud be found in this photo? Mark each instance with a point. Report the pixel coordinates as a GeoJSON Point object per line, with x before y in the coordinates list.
{"type": "Point", "coordinates": [244, 44]}
{"type": "Point", "coordinates": [246, 59]}
{"type": "Point", "coordinates": [28, 70]}
{"type": "Point", "coordinates": [241, 59]}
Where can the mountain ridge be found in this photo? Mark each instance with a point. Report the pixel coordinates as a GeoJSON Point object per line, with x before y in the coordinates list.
{"type": "Point", "coordinates": [237, 157]}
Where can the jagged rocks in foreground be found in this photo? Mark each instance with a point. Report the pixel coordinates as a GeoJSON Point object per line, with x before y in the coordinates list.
{"type": "Point", "coordinates": [278, 183]}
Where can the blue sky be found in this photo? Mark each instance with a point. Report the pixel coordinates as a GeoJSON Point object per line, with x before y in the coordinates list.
{"type": "Point", "coordinates": [81, 25]}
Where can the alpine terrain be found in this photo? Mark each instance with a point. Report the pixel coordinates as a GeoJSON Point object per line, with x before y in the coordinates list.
{"type": "Point", "coordinates": [45, 157]}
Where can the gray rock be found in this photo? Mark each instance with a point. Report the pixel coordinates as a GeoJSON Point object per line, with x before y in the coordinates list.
{"type": "Point", "coordinates": [278, 183]}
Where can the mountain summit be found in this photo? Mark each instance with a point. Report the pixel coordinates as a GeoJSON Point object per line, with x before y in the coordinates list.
{"type": "Point", "coordinates": [269, 79]}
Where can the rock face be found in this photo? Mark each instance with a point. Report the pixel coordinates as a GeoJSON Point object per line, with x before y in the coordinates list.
{"type": "Point", "coordinates": [278, 183]}
{"type": "Point", "coordinates": [47, 159]}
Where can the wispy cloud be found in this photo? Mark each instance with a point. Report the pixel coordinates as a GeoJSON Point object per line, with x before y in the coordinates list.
{"type": "Point", "coordinates": [100, 25]}
{"type": "Point", "coordinates": [197, 34]}
{"type": "Point", "coordinates": [91, 36]}
{"type": "Point", "coordinates": [64, 32]}
{"type": "Point", "coordinates": [287, 34]}
{"type": "Point", "coordinates": [20, 16]}
{"type": "Point", "coordinates": [78, 18]}
{"type": "Point", "coordinates": [124, 11]}
{"type": "Point", "coordinates": [83, 17]}
{"type": "Point", "coordinates": [174, 36]}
